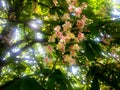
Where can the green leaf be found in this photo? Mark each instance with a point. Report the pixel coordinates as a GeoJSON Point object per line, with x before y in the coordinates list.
{"type": "Point", "coordinates": [63, 5]}
{"type": "Point", "coordinates": [46, 72]}
{"type": "Point", "coordinates": [89, 13]}
{"type": "Point", "coordinates": [25, 83]}
{"type": "Point", "coordinates": [92, 49]}
{"type": "Point", "coordinates": [51, 83]}
{"type": "Point", "coordinates": [95, 84]}
{"type": "Point", "coordinates": [58, 74]}
{"type": "Point", "coordinates": [52, 11]}
{"type": "Point", "coordinates": [93, 29]}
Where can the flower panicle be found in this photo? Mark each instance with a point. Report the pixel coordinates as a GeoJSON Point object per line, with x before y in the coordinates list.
{"type": "Point", "coordinates": [64, 34]}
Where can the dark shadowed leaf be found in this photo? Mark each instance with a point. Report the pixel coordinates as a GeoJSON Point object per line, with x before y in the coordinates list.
{"type": "Point", "coordinates": [25, 83]}
{"type": "Point", "coordinates": [92, 49]}
{"type": "Point", "coordinates": [95, 84]}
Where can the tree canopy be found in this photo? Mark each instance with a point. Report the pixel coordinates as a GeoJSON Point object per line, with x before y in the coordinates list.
{"type": "Point", "coordinates": [59, 45]}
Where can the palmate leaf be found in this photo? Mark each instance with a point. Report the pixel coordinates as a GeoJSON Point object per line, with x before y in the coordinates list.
{"type": "Point", "coordinates": [51, 83]}
{"type": "Point", "coordinates": [89, 12]}
{"type": "Point", "coordinates": [92, 49]}
{"type": "Point", "coordinates": [93, 29]}
{"type": "Point", "coordinates": [25, 83]}
{"type": "Point", "coordinates": [59, 81]}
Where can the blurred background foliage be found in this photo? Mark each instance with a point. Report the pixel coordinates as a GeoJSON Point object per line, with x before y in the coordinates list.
{"type": "Point", "coordinates": [24, 29]}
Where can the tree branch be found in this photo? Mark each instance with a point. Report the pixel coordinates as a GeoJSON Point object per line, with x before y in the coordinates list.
{"type": "Point", "coordinates": [41, 4]}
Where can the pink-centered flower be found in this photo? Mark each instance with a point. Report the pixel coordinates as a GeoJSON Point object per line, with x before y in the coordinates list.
{"type": "Point", "coordinates": [66, 57]}
{"type": "Point", "coordinates": [80, 24]}
{"type": "Point", "coordinates": [73, 53]}
{"type": "Point", "coordinates": [61, 47]}
{"type": "Point", "coordinates": [59, 34]}
{"type": "Point", "coordinates": [70, 8]}
{"type": "Point", "coordinates": [80, 36]}
{"type": "Point", "coordinates": [49, 49]}
{"type": "Point", "coordinates": [46, 60]}
{"type": "Point", "coordinates": [63, 39]}
{"type": "Point", "coordinates": [78, 11]}
{"type": "Point", "coordinates": [72, 61]}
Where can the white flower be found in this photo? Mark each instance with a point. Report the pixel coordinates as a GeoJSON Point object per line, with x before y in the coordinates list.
{"type": "Point", "coordinates": [55, 2]}
{"type": "Point", "coordinates": [57, 28]}
{"type": "Point", "coordinates": [76, 47]}
{"type": "Point", "coordinates": [67, 26]}
{"type": "Point", "coordinates": [66, 16]}
{"type": "Point", "coordinates": [70, 35]}
{"type": "Point", "coordinates": [51, 39]}
{"type": "Point", "coordinates": [66, 57]}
